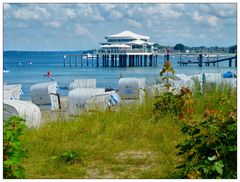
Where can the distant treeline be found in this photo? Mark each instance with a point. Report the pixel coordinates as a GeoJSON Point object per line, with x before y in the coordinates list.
{"type": "Point", "coordinates": [183, 48]}
{"type": "Point", "coordinates": [9, 53]}
{"type": "Point", "coordinates": [178, 47]}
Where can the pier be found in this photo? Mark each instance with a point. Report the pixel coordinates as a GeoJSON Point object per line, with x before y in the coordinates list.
{"type": "Point", "coordinates": [142, 59]}
{"type": "Point", "coordinates": [128, 49]}
{"type": "Point", "coordinates": [111, 60]}
{"type": "Point", "coordinates": [125, 49]}
{"type": "Point", "coordinates": [209, 62]}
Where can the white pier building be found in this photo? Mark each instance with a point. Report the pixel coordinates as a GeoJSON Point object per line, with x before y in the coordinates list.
{"type": "Point", "coordinates": [126, 49]}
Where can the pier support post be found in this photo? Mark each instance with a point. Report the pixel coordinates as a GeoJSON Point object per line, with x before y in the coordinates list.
{"type": "Point", "coordinates": [112, 60]}
{"type": "Point", "coordinates": [145, 60]}
{"type": "Point", "coordinates": [75, 60]}
{"type": "Point", "coordinates": [230, 63]}
{"type": "Point", "coordinates": [70, 61]}
{"type": "Point", "coordinates": [87, 60]}
{"type": "Point", "coordinates": [141, 60]}
{"type": "Point", "coordinates": [115, 59]}
{"type": "Point", "coordinates": [150, 60]}
{"type": "Point", "coordinates": [138, 60]}
{"type": "Point", "coordinates": [133, 60]}
{"type": "Point", "coordinates": [105, 60]}
{"type": "Point", "coordinates": [200, 60]}
{"type": "Point", "coordinates": [125, 60]}
{"type": "Point", "coordinates": [129, 60]}
{"type": "Point", "coordinates": [207, 64]}
{"type": "Point", "coordinates": [103, 64]}
{"type": "Point", "coordinates": [108, 60]}
{"type": "Point", "coordinates": [64, 60]}
{"type": "Point", "coordinates": [119, 61]}
{"type": "Point", "coordinates": [81, 60]}
{"type": "Point", "coordinates": [181, 60]}
{"type": "Point", "coordinates": [156, 60]}
{"type": "Point", "coordinates": [236, 61]}
{"type": "Point", "coordinates": [97, 60]}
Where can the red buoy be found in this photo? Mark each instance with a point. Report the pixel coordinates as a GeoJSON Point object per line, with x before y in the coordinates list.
{"type": "Point", "coordinates": [48, 73]}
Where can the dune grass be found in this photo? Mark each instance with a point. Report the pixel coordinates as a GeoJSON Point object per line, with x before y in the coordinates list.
{"type": "Point", "coordinates": [129, 143]}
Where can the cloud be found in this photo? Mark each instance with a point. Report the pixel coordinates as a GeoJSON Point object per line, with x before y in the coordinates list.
{"type": "Point", "coordinates": [171, 22]}
{"type": "Point", "coordinates": [116, 14]}
{"type": "Point", "coordinates": [34, 13]}
{"type": "Point", "coordinates": [223, 10]}
{"type": "Point", "coordinates": [207, 19]}
{"type": "Point", "coordinates": [167, 11]}
{"type": "Point", "coordinates": [54, 24]}
{"type": "Point", "coordinates": [69, 13]}
{"type": "Point", "coordinates": [107, 7]}
{"type": "Point", "coordinates": [82, 31]}
{"type": "Point", "coordinates": [90, 12]}
{"type": "Point", "coordinates": [132, 23]}
{"type": "Point", "coordinates": [212, 20]}
{"type": "Point", "coordinates": [196, 17]}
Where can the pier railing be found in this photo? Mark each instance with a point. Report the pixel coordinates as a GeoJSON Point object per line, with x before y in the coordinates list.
{"type": "Point", "coordinates": [123, 51]}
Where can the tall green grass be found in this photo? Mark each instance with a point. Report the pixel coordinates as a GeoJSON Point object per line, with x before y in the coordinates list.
{"type": "Point", "coordinates": [129, 143]}
{"type": "Point", "coordinates": [104, 137]}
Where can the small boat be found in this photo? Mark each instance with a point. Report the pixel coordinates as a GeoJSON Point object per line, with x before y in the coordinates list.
{"type": "Point", "coordinates": [48, 74]}
{"type": "Point", "coordinates": [5, 70]}
{"type": "Point", "coordinates": [19, 63]}
{"type": "Point", "coordinates": [210, 56]}
{"type": "Point", "coordinates": [89, 56]}
{"type": "Point", "coordinates": [189, 56]}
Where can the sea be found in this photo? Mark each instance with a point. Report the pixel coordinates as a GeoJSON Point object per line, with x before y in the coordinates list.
{"type": "Point", "coordinates": [28, 68]}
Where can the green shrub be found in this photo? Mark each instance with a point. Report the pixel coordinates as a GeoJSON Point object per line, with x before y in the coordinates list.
{"type": "Point", "coordinates": [70, 157]}
{"type": "Point", "coordinates": [210, 150]}
{"type": "Point", "coordinates": [166, 103]}
{"type": "Point", "coordinates": [13, 153]}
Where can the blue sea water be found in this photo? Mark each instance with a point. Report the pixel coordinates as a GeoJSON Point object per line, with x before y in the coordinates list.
{"type": "Point", "coordinates": [29, 74]}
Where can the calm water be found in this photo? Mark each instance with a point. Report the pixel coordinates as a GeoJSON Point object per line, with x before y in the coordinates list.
{"type": "Point", "coordinates": [29, 74]}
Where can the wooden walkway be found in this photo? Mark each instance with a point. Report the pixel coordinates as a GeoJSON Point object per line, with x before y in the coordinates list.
{"type": "Point", "coordinates": [207, 63]}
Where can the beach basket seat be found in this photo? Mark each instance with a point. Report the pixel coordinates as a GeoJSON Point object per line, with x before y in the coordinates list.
{"type": "Point", "coordinates": [132, 89]}
{"type": "Point", "coordinates": [27, 110]}
{"type": "Point", "coordinates": [15, 90]}
{"type": "Point", "coordinates": [7, 95]}
{"type": "Point", "coordinates": [155, 90]}
{"type": "Point", "coordinates": [103, 102]}
{"type": "Point", "coordinates": [82, 83]}
{"type": "Point", "coordinates": [181, 80]}
{"type": "Point", "coordinates": [78, 99]}
{"type": "Point", "coordinates": [45, 95]}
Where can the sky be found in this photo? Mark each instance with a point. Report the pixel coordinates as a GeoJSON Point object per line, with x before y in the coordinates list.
{"type": "Point", "coordinates": [55, 27]}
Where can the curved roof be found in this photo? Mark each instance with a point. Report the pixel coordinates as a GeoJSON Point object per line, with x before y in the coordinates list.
{"type": "Point", "coordinates": [128, 34]}
{"type": "Point", "coordinates": [116, 45]}
{"type": "Point", "coordinates": [137, 42]}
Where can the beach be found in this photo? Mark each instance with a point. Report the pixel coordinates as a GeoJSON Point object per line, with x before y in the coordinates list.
{"type": "Point", "coordinates": [106, 77]}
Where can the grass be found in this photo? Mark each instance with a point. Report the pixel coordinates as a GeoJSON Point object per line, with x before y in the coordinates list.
{"type": "Point", "coordinates": [129, 143]}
